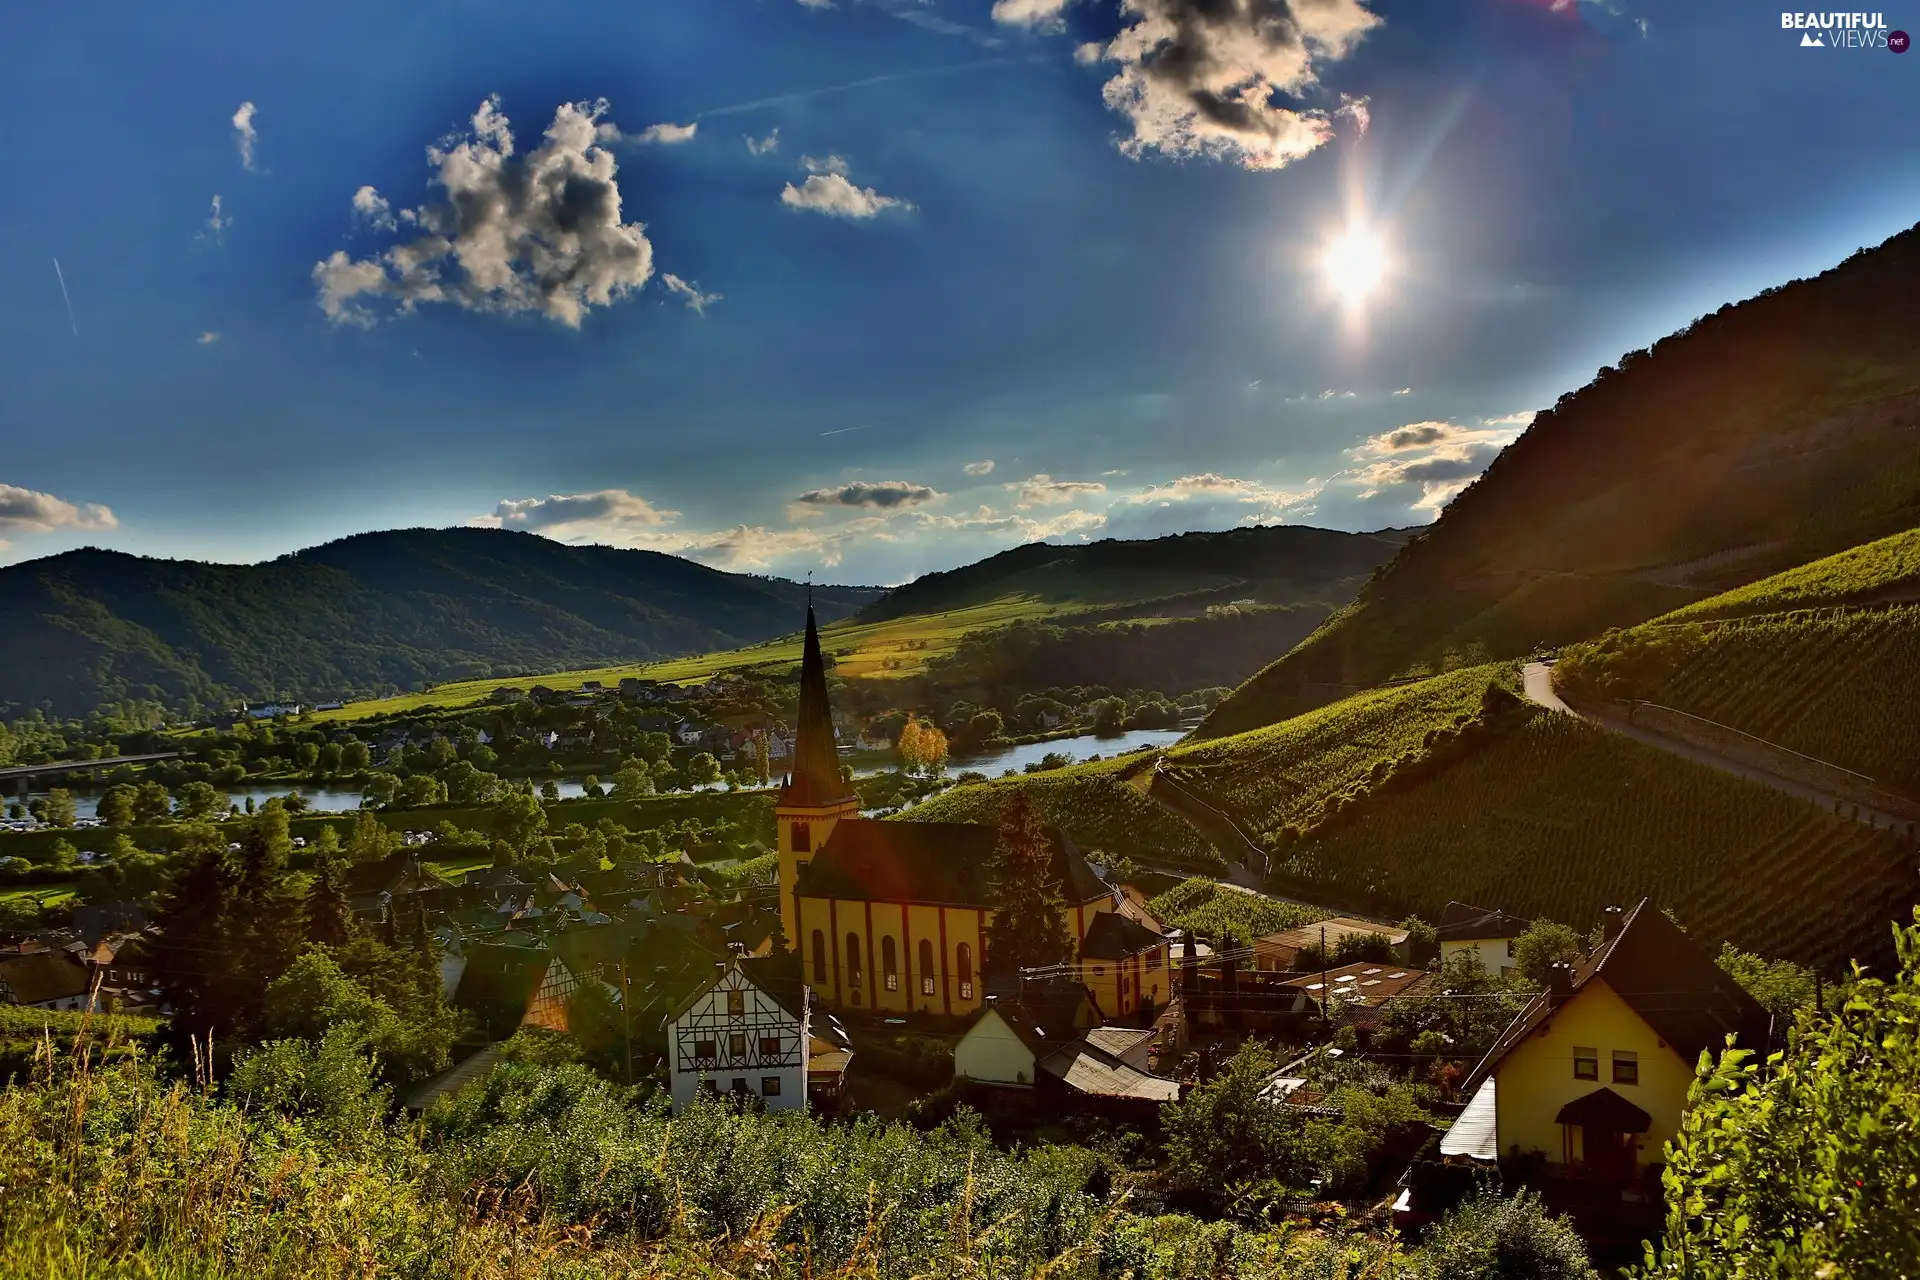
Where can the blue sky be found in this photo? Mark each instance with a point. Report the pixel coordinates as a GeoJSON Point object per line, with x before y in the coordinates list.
{"type": "Point", "coordinates": [964, 233]}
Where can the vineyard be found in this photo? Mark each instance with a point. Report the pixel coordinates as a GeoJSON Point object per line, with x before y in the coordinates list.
{"type": "Point", "coordinates": [1561, 819]}
{"type": "Point", "coordinates": [1219, 913]}
{"type": "Point", "coordinates": [1093, 804]}
{"type": "Point", "coordinates": [1840, 686]}
{"type": "Point", "coordinates": [1267, 778]}
{"type": "Point", "coordinates": [1886, 570]}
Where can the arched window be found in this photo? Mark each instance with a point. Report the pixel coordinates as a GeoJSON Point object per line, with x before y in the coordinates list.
{"type": "Point", "coordinates": [853, 959]}
{"type": "Point", "coordinates": [819, 958]}
{"type": "Point", "coordinates": [965, 961]}
{"type": "Point", "coordinates": [890, 962]}
{"type": "Point", "coordinates": [802, 838]}
{"type": "Point", "coordinates": [926, 967]}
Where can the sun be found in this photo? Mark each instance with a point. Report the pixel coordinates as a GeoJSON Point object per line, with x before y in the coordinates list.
{"type": "Point", "coordinates": [1354, 263]}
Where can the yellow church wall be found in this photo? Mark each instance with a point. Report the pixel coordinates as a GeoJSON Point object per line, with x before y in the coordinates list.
{"type": "Point", "coordinates": [789, 824]}
{"type": "Point", "coordinates": [945, 929]}
{"type": "Point", "coordinates": [1536, 1077]}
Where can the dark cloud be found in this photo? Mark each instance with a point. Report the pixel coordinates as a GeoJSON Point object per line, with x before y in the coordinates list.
{"type": "Point", "coordinates": [884, 495]}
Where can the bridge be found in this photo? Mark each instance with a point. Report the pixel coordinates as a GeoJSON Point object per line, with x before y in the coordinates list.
{"type": "Point", "coordinates": [17, 777]}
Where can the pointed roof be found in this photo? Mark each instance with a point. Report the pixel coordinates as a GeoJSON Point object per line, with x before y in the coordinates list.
{"type": "Point", "coordinates": [816, 761]}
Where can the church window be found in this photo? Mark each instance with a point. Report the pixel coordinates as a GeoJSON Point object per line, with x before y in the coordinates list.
{"type": "Point", "coordinates": [802, 838]}
{"type": "Point", "coordinates": [926, 967]}
{"type": "Point", "coordinates": [819, 958]}
{"type": "Point", "coordinates": [965, 965]}
{"type": "Point", "coordinates": [890, 963]}
{"type": "Point", "coordinates": [853, 959]}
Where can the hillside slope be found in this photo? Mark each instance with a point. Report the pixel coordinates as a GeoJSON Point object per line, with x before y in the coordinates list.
{"type": "Point", "coordinates": [366, 614]}
{"type": "Point", "coordinates": [1282, 564]}
{"type": "Point", "coordinates": [1770, 433]}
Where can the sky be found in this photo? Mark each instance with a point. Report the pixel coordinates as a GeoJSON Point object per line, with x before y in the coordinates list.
{"type": "Point", "coordinates": [870, 288]}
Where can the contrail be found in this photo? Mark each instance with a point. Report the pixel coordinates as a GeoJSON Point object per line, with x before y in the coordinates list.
{"type": "Point", "coordinates": [804, 95]}
{"type": "Point", "coordinates": [63, 293]}
{"type": "Point", "coordinates": [840, 431]}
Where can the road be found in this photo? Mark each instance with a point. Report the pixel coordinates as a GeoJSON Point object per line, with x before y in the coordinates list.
{"type": "Point", "coordinates": [1537, 679]}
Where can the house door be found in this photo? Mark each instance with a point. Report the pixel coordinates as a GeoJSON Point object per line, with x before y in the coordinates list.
{"type": "Point", "coordinates": [1609, 1153]}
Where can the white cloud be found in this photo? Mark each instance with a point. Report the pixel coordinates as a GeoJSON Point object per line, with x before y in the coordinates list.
{"type": "Point", "coordinates": [612, 509]}
{"type": "Point", "coordinates": [30, 511]}
{"type": "Point", "coordinates": [984, 467]}
{"type": "Point", "coordinates": [816, 4]}
{"type": "Point", "coordinates": [696, 301]}
{"type": "Point", "coordinates": [536, 233]}
{"type": "Point", "coordinates": [1404, 391]}
{"type": "Point", "coordinates": [1227, 79]}
{"type": "Point", "coordinates": [1089, 53]}
{"type": "Point", "coordinates": [372, 208]}
{"type": "Point", "coordinates": [1043, 490]}
{"type": "Point", "coordinates": [1040, 15]}
{"type": "Point", "coordinates": [669, 134]}
{"type": "Point", "coordinates": [217, 223]}
{"type": "Point", "coordinates": [833, 195]}
{"type": "Point", "coordinates": [764, 146]}
{"type": "Point", "coordinates": [1521, 420]}
{"type": "Point", "coordinates": [832, 164]}
{"type": "Point", "coordinates": [880, 494]}
{"type": "Point", "coordinates": [208, 338]}
{"type": "Point", "coordinates": [245, 136]}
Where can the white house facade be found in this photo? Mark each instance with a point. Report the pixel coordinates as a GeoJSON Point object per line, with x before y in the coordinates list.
{"type": "Point", "coordinates": [736, 1036]}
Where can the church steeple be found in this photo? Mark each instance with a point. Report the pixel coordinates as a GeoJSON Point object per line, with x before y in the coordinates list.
{"type": "Point", "coordinates": [816, 760]}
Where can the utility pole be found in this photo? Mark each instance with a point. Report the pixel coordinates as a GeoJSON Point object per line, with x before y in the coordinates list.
{"type": "Point", "coordinates": [1326, 997]}
{"type": "Point", "coordinates": [626, 1018]}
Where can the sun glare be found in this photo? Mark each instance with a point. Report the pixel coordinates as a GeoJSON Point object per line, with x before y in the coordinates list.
{"type": "Point", "coordinates": [1354, 263]}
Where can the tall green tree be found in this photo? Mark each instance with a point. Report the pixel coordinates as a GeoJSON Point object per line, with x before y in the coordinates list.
{"type": "Point", "coordinates": [1542, 946]}
{"type": "Point", "coordinates": [518, 820]}
{"type": "Point", "coordinates": [151, 803]}
{"type": "Point", "coordinates": [57, 809]}
{"type": "Point", "coordinates": [116, 806]}
{"type": "Point", "coordinates": [327, 912]}
{"type": "Point", "coordinates": [1028, 929]}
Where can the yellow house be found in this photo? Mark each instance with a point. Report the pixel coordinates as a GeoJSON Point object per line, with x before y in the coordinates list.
{"type": "Point", "coordinates": [1124, 964]}
{"type": "Point", "coordinates": [1592, 1077]}
{"type": "Point", "coordinates": [892, 916]}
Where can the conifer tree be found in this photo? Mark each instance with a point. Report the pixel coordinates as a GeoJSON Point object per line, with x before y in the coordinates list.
{"type": "Point", "coordinates": [329, 914]}
{"type": "Point", "coordinates": [1028, 929]}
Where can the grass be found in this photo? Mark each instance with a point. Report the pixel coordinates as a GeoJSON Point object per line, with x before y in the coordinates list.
{"type": "Point", "coordinates": [1222, 915]}
{"type": "Point", "coordinates": [891, 649]}
{"type": "Point", "coordinates": [47, 895]}
{"type": "Point", "coordinates": [1838, 686]}
{"type": "Point", "coordinates": [1559, 818]}
{"type": "Point", "coordinates": [1889, 567]}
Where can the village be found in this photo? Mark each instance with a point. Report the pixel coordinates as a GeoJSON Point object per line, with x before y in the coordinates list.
{"type": "Point", "coordinates": [865, 970]}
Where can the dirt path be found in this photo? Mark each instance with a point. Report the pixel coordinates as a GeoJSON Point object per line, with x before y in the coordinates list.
{"type": "Point", "coordinates": [1537, 679]}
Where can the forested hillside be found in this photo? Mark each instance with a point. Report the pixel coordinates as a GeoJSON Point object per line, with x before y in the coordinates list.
{"type": "Point", "coordinates": [1772, 432]}
{"type": "Point", "coordinates": [369, 614]}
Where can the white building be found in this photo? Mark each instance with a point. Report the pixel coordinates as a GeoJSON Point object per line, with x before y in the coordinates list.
{"type": "Point", "coordinates": [735, 1035]}
{"type": "Point", "coordinates": [1484, 934]}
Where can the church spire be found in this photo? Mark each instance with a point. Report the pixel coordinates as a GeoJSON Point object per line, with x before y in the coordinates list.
{"type": "Point", "coordinates": [816, 760]}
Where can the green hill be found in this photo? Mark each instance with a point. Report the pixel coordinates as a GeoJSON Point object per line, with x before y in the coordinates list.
{"type": "Point", "coordinates": [366, 615]}
{"type": "Point", "coordinates": [1172, 576]}
{"type": "Point", "coordinates": [1763, 436]}
{"type": "Point", "coordinates": [1880, 572]}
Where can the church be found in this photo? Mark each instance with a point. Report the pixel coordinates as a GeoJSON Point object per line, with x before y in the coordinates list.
{"type": "Point", "coordinates": [892, 916]}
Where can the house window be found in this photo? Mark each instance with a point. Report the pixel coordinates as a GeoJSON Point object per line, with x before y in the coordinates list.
{"type": "Point", "coordinates": [965, 965]}
{"type": "Point", "coordinates": [1099, 971]}
{"type": "Point", "coordinates": [705, 1049]}
{"type": "Point", "coordinates": [769, 1086]}
{"type": "Point", "coordinates": [926, 967]}
{"type": "Point", "coordinates": [1153, 958]}
{"type": "Point", "coordinates": [853, 960]}
{"type": "Point", "coordinates": [819, 958]}
{"type": "Point", "coordinates": [769, 1046]}
{"type": "Point", "coordinates": [802, 838]}
{"type": "Point", "coordinates": [1626, 1067]}
{"type": "Point", "coordinates": [890, 963]}
{"type": "Point", "coordinates": [739, 1087]}
{"type": "Point", "coordinates": [736, 1004]}
{"type": "Point", "coordinates": [1586, 1063]}
{"type": "Point", "coordinates": [710, 1087]}
{"type": "Point", "coordinates": [737, 1046]}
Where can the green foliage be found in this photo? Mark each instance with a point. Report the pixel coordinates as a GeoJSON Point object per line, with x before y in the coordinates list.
{"type": "Point", "coordinates": [317, 1001]}
{"type": "Point", "coordinates": [1224, 914]}
{"type": "Point", "coordinates": [1542, 946]}
{"type": "Point", "coordinates": [518, 820]}
{"type": "Point", "coordinates": [1494, 1239]}
{"type": "Point", "coordinates": [1027, 930]}
{"type": "Point", "coordinates": [1805, 1166]}
{"type": "Point", "coordinates": [1782, 987]}
{"type": "Point", "coordinates": [1887, 568]}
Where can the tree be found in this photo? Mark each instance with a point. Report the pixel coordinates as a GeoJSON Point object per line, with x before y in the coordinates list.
{"type": "Point", "coordinates": [57, 809]}
{"type": "Point", "coordinates": [633, 781]}
{"type": "Point", "coordinates": [1423, 941]}
{"type": "Point", "coordinates": [1781, 986]}
{"type": "Point", "coordinates": [116, 806]}
{"type": "Point", "coordinates": [355, 757]}
{"type": "Point", "coordinates": [1490, 1238]}
{"type": "Point", "coordinates": [1226, 1133]}
{"type": "Point", "coordinates": [703, 770]}
{"type": "Point", "coordinates": [1109, 717]}
{"type": "Point", "coordinates": [922, 747]}
{"type": "Point", "coordinates": [518, 820]}
{"type": "Point", "coordinates": [983, 727]}
{"type": "Point", "coordinates": [1028, 929]}
{"type": "Point", "coordinates": [550, 791]}
{"type": "Point", "coordinates": [198, 802]}
{"type": "Point", "coordinates": [151, 802]}
{"type": "Point", "coordinates": [328, 913]}
{"type": "Point", "coordinates": [1805, 1166]}
{"type": "Point", "coordinates": [332, 756]}
{"type": "Point", "coordinates": [379, 789]}
{"type": "Point", "coordinates": [592, 789]}
{"type": "Point", "coordinates": [306, 756]}
{"type": "Point", "coordinates": [1544, 945]}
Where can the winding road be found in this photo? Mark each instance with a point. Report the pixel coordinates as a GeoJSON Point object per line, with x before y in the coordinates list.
{"type": "Point", "coordinates": [1537, 680]}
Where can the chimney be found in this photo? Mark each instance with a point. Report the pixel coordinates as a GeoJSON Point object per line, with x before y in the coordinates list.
{"type": "Point", "coordinates": [1559, 980]}
{"type": "Point", "coordinates": [1611, 920]}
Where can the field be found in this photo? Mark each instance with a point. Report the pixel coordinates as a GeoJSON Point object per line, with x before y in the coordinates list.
{"type": "Point", "coordinates": [1561, 819]}
{"type": "Point", "coordinates": [1842, 686]}
{"type": "Point", "coordinates": [1886, 569]}
{"type": "Point", "coordinates": [1093, 803]}
{"type": "Point", "coordinates": [871, 650]}
{"type": "Point", "coordinates": [47, 895]}
{"type": "Point", "coordinates": [1273, 776]}
{"type": "Point", "coordinates": [1220, 914]}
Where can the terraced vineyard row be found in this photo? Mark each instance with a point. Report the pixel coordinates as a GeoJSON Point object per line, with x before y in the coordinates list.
{"type": "Point", "coordinates": [1226, 915]}
{"type": "Point", "coordinates": [1887, 568]}
{"type": "Point", "coordinates": [1560, 819]}
{"type": "Point", "coordinates": [1840, 686]}
{"type": "Point", "coordinates": [1093, 804]}
{"type": "Point", "coordinates": [1283, 773]}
